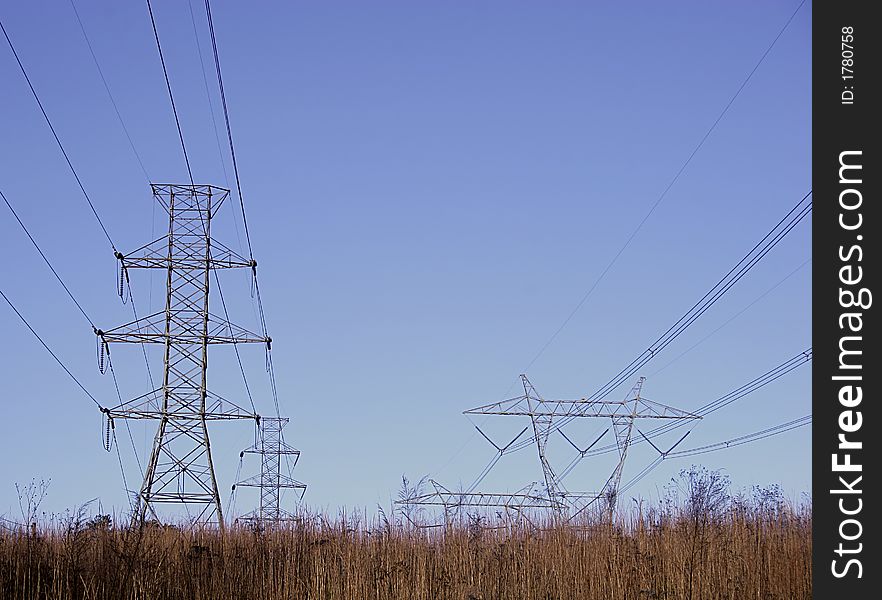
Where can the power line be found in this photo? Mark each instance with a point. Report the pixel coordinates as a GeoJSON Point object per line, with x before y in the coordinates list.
{"type": "Point", "coordinates": [738, 393]}
{"type": "Point", "coordinates": [49, 350]}
{"type": "Point", "coordinates": [738, 441]}
{"type": "Point", "coordinates": [134, 151]}
{"type": "Point", "coordinates": [210, 103]}
{"type": "Point", "coordinates": [745, 439]}
{"type": "Point", "coordinates": [741, 268]}
{"type": "Point", "coordinates": [170, 94]}
{"type": "Point", "coordinates": [756, 254]}
{"type": "Point", "coordinates": [109, 94]}
{"type": "Point", "coordinates": [664, 192]}
{"type": "Point", "coordinates": [235, 346]}
{"type": "Point", "coordinates": [732, 318]}
{"type": "Point", "coordinates": [748, 388]}
{"type": "Point", "coordinates": [645, 218]}
{"type": "Point", "coordinates": [110, 363]}
{"type": "Point", "coordinates": [220, 83]}
{"type": "Point", "coordinates": [55, 135]}
{"type": "Point", "coordinates": [223, 167]}
{"type": "Point", "coordinates": [184, 148]}
{"type": "Point", "coordinates": [49, 264]}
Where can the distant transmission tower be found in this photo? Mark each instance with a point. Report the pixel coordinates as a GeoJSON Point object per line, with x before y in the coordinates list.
{"type": "Point", "coordinates": [277, 459]}
{"type": "Point", "coordinates": [180, 470]}
{"type": "Point", "coordinates": [546, 417]}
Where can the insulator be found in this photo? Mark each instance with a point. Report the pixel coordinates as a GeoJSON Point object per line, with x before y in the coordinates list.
{"type": "Point", "coordinates": [124, 289]}
{"type": "Point", "coordinates": [108, 422]}
{"type": "Point", "coordinates": [101, 346]}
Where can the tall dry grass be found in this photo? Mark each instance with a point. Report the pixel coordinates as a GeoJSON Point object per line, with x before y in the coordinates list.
{"type": "Point", "coordinates": [739, 551]}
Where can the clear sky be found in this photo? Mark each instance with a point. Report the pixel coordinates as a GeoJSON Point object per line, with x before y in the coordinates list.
{"type": "Point", "coordinates": [431, 188]}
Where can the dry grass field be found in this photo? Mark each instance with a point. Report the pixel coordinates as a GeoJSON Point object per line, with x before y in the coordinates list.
{"type": "Point", "coordinates": [706, 547]}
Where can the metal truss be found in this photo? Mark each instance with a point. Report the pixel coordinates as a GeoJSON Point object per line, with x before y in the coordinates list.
{"type": "Point", "coordinates": [522, 504]}
{"type": "Point", "coordinates": [274, 453]}
{"type": "Point", "coordinates": [545, 418]}
{"type": "Point", "coordinates": [180, 469]}
{"type": "Point", "coordinates": [525, 498]}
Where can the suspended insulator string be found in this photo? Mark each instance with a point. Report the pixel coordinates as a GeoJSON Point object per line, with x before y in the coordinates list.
{"type": "Point", "coordinates": [49, 350]}
{"type": "Point", "coordinates": [123, 280]}
{"type": "Point", "coordinates": [55, 135]}
{"type": "Point", "coordinates": [107, 421]}
{"type": "Point", "coordinates": [109, 94]}
{"type": "Point", "coordinates": [46, 260]}
{"type": "Point", "coordinates": [171, 96]}
{"type": "Point", "coordinates": [101, 346]}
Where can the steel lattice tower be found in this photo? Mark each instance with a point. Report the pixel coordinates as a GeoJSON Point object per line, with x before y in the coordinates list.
{"type": "Point", "coordinates": [274, 454]}
{"type": "Point", "coordinates": [547, 416]}
{"type": "Point", "coordinates": [180, 469]}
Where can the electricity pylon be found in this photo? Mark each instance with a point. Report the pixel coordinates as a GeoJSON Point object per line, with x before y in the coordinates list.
{"type": "Point", "coordinates": [547, 416]}
{"type": "Point", "coordinates": [274, 455]}
{"type": "Point", "coordinates": [180, 469]}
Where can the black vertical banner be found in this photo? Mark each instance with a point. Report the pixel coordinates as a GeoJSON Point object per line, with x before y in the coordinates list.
{"type": "Point", "coordinates": [846, 333]}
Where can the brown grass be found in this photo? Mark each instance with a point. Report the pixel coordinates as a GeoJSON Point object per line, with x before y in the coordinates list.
{"type": "Point", "coordinates": [739, 552]}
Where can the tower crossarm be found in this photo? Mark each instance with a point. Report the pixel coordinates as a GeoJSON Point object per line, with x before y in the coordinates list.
{"type": "Point", "coordinates": [150, 406]}
{"type": "Point", "coordinates": [480, 500]}
{"type": "Point", "coordinates": [647, 409]}
{"type": "Point", "coordinates": [200, 193]}
{"type": "Point", "coordinates": [283, 450]}
{"type": "Point", "coordinates": [281, 481]}
{"type": "Point", "coordinates": [155, 256]}
{"type": "Point", "coordinates": [152, 330]}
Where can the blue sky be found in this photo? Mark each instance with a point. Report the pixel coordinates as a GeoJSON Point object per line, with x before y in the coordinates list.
{"type": "Point", "coordinates": [430, 189]}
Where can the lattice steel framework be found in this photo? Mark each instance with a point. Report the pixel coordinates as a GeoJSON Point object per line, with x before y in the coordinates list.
{"type": "Point", "coordinates": [180, 469]}
{"type": "Point", "coordinates": [277, 459]}
{"type": "Point", "coordinates": [545, 418]}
